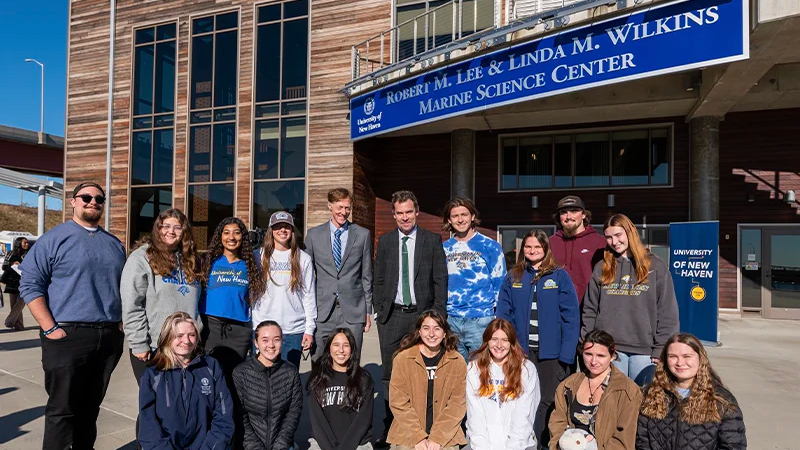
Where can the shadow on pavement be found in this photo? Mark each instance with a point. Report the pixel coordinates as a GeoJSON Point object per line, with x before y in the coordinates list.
{"type": "Point", "coordinates": [20, 345]}
{"type": "Point", "coordinates": [7, 390]}
{"type": "Point", "coordinates": [129, 446]}
{"type": "Point", "coordinates": [11, 423]}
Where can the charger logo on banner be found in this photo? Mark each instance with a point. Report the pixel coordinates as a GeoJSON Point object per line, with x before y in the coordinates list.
{"type": "Point", "coordinates": [665, 38]}
{"type": "Point", "coordinates": [694, 264]}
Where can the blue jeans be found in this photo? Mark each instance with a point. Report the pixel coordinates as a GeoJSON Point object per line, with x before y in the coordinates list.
{"type": "Point", "coordinates": [292, 348]}
{"type": "Point", "coordinates": [469, 331]}
{"type": "Point", "coordinates": [638, 368]}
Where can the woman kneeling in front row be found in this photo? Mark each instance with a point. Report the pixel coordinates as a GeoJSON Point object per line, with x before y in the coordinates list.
{"type": "Point", "coordinates": [183, 399]}
{"type": "Point", "coordinates": [687, 406]}
{"type": "Point", "coordinates": [428, 388]}
{"type": "Point", "coordinates": [269, 391]}
{"type": "Point", "coordinates": [502, 392]}
{"type": "Point", "coordinates": [340, 397]}
{"type": "Point", "coordinates": [600, 401]}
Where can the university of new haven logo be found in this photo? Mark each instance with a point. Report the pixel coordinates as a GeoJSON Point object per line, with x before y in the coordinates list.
{"type": "Point", "coordinates": [369, 106]}
{"type": "Point", "coordinates": [550, 284]}
{"type": "Point", "coordinates": [205, 387]}
{"type": "Point", "coordinates": [626, 279]}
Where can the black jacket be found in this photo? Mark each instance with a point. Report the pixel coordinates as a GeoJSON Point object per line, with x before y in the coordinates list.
{"type": "Point", "coordinates": [430, 273]}
{"type": "Point", "coordinates": [671, 433]}
{"type": "Point", "coordinates": [271, 400]}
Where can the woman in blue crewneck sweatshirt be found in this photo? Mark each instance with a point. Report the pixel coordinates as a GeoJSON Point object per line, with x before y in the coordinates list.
{"type": "Point", "coordinates": [232, 278]}
{"type": "Point", "coordinates": [539, 299]}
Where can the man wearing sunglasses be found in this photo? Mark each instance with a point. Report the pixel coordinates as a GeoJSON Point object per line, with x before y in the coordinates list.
{"type": "Point", "coordinates": [70, 281]}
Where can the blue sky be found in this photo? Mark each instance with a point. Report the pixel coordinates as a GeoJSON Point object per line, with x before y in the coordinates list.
{"type": "Point", "coordinates": [32, 29]}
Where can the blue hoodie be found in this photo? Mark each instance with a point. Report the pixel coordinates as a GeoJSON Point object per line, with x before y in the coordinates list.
{"type": "Point", "coordinates": [187, 408]}
{"type": "Point", "coordinates": [557, 305]}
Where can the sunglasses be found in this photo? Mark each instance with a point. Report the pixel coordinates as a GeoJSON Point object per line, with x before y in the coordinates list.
{"type": "Point", "coordinates": [86, 198]}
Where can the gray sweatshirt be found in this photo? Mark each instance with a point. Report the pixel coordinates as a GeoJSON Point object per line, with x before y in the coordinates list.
{"type": "Point", "coordinates": [148, 299]}
{"type": "Point", "coordinates": [640, 317]}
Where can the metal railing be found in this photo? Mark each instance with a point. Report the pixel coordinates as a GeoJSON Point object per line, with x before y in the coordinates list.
{"type": "Point", "coordinates": [436, 27]}
{"type": "Point", "coordinates": [525, 8]}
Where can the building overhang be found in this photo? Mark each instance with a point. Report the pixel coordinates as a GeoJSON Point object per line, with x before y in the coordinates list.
{"type": "Point", "coordinates": [667, 41]}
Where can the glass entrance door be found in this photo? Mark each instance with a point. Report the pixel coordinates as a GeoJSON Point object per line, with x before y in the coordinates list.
{"type": "Point", "coordinates": [781, 273]}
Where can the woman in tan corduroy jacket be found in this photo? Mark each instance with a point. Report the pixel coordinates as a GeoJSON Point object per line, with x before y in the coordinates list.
{"type": "Point", "coordinates": [428, 352]}
{"type": "Point", "coordinates": [601, 400]}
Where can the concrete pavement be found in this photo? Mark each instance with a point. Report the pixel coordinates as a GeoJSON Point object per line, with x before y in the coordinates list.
{"type": "Point", "coordinates": [758, 361]}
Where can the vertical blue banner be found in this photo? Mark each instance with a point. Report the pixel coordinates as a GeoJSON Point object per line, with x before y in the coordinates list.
{"type": "Point", "coordinates": [694, 264]}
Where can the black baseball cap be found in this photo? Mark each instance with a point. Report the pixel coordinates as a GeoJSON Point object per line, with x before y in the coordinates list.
{"type": "Point", "coordinates": [571, 201]}
{"type": "Point", "coordinates": [87, 184]}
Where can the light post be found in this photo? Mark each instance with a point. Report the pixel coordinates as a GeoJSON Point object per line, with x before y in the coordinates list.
{"type": "Point", "coordinates": [41, 119]}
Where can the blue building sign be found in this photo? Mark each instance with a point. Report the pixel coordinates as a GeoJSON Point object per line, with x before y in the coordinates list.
{"type": "Point", "coordinates": [665, 38]}
{"type": "Point", "coordinates": [694, 265]}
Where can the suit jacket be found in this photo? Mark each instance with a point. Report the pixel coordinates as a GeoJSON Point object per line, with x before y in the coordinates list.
{"type": "Point", "coordinates": [430, 273]}
{"type": "Point", "coordinates": [353, 281]}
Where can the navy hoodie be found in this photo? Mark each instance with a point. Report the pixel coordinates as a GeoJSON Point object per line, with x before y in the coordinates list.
{"type": "Point", "coordinates": [185, 408]}
{"type": "Point", "coordinates": [557, 305]}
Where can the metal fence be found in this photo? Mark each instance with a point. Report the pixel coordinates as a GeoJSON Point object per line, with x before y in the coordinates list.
{"type": "Point", "coordinates": [435, 27]}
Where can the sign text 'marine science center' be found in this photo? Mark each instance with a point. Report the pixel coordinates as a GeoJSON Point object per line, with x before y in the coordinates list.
{"type": "Point", "coordinates": [672, 37]}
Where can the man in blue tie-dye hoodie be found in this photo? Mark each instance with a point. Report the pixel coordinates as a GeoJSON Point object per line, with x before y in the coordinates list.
{"type": "Point", "coordinates": [476, 268]}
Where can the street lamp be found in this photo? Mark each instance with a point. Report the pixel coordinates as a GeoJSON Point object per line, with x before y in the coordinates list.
{"type": "Point", "coordinates": [41, 120]}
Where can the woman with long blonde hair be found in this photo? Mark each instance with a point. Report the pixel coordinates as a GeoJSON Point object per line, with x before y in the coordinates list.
{"type": "Point", "coordinates": [289, 297]}
{"type": "Point", "coordinates": [184, 401]}
{"type": "Point", "coordinates": [538, 297]}
{"type": "Point", "coordinates": [631, 296]}
{"type": "Point", "coordinates": [687, 406]}
{"type": "Point", "coordinates": [502, 392]}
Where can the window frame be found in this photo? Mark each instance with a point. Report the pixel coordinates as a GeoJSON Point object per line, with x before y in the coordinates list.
{"type": "Point", "coordinates": [280, 116]}
{"type": "Point", "coordinates": [152, 129]}
{"type": "Point", "coordinates": [212, 109]}
{"type": "Point", "coordinates": [670, 126]}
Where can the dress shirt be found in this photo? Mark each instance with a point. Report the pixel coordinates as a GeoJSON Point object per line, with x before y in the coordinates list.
{"type": "Point", "coordinates": [410, 244]}
{"type": "Point", "coordinates": [343, 237]}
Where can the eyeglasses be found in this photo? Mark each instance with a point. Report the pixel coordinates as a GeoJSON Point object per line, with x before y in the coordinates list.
{"type": "Point", "coordinates": [175, 228]}
{"type": "Point", "coordinates": [86, 198]}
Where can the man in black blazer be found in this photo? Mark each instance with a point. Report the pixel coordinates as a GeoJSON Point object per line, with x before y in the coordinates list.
{"type": "Point", "coordinates": [410, 276]}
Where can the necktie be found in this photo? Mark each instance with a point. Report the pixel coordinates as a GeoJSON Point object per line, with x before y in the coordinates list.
{"type": "Point", "coordinates": [337, 248]}
{"type": "Point", "coordinates": [406, 284]}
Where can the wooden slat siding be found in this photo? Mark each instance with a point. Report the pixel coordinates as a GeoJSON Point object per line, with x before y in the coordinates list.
{"type": "Point", "coordinates": [764, 142]}
{"type": "Point", "coordinates": [363, 211]}
{"type": "Point", "coordinates": [87, 86]}
{"type": "Point", "coordinates": [335, 27]}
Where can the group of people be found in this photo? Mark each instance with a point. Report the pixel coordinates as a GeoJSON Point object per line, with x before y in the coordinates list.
{"type": "Point", "coordinates": [216, 337]}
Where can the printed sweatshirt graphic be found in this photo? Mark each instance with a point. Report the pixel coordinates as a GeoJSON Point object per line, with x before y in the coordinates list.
{"type": "Point", "coordinates": [640, 316]}
{"type": "Point", "coordinates": [476, 270]}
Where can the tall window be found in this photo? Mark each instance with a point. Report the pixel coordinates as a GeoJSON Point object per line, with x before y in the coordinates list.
{"type": "Point", "coordinates": [639, 157]}
{"type": "Point", "coordinates": [153, 127]}
{"type": "Point", "coordinates": [212, 121]}
{"type": "Point", "coordinates": [279, 154]}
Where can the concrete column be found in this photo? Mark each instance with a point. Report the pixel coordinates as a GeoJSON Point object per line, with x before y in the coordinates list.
{"type": "Point", "coordinates": [462, 163]}
{"type": "Point", "coordinates": [705, 168]}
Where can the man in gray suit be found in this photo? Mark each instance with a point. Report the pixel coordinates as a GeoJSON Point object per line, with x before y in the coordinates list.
{"type": "Point", "coordinates": [342, 255]}
{"type": "Point", "coordinates": [410, 277]}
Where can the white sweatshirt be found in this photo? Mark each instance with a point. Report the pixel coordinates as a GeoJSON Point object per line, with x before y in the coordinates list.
{"type": "Point", "coordinates": [295, 311]}
{"type": "Point", "coordinates": [495, 426]}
